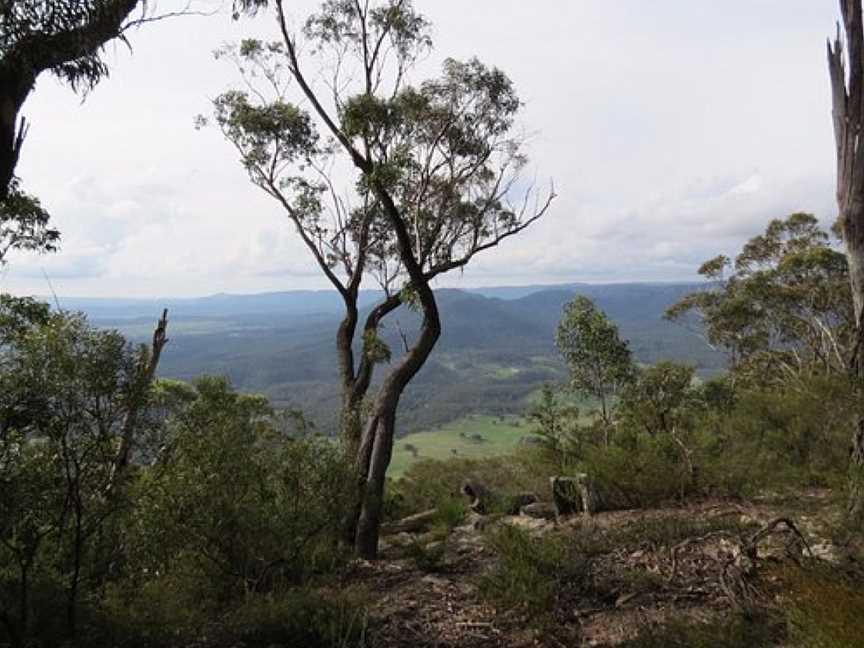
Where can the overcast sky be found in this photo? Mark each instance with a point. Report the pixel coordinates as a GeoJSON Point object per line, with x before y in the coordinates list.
{"type": "Point", "coordinates": [673, 129]}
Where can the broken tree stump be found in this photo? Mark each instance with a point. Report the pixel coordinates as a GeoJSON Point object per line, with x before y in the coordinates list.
{"type": "Point", "coordinates": [577, 494]}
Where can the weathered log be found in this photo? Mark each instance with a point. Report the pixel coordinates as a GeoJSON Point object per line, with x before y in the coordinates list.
{"type": "Point", "coordinates": [410, 524]}
{"type": "Point", "coordinates": [540, 510]}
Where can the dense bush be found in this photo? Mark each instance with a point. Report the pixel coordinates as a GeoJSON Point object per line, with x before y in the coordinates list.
{"type": "Point", "coordinates": [222, 512]}
{"type": "Point", "coordinates": [676, 437]}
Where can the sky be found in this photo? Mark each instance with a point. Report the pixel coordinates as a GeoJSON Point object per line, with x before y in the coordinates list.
{"type": "Point", "coordinates": [674, 130]}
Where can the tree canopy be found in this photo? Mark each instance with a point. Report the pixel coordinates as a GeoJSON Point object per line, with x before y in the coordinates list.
{"type": "Point", "coordinates": [783, 304]}
{"type": "Point", "coordinates": [599, 362]}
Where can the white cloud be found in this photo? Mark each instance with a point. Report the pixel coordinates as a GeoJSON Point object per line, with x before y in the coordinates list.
{"type": "Point", "coordinates": [673, 130]}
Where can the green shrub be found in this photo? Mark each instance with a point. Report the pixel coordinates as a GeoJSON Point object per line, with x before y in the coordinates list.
{"type": "Point", "coordinates": [234, 504]}
{"type": "Point", "coordinates": [163, 613]}
{"type": "Point", "coordinates": [668, 531]}
{"type": "Point", "coordinates": [530, 573]}
{"type": "Point", "coordinates": [301, 618]}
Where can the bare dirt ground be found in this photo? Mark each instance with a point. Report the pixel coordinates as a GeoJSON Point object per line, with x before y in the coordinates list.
{"type": "Point", "coordinates": [638, 578]}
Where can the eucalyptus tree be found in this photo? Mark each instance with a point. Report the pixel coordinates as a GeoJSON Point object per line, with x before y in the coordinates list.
{"type": "Point", "coordinates": [782, 309]}
{"type": "Point", "coordinates": [599, 361]}
{"type": "Point", "coordinates": [384, 179]}
{"type": "Point", "coordinates": [847, 97]}
{"type": "Point", "coordinates": [71, 404]}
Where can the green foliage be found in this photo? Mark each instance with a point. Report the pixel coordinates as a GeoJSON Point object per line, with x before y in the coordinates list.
{"type": "Point", "coordinates": [24, 224]}
{"type": "Point", "coordinates": [785, 309]}
{"type": "Point", "coordinates": [530, 573]}
{"type": "Point", "coordinates": [324, 619]}
{"type": "Point", "coordinates": [236, 505]}
{"type": "Point", "coordinates": [556, 424]}
{"type": "Point", "coordinates": [662, 399]}
{"type": "Point", "coordinates": [163, 614]}
{"type": "Point", "coordinates": [66, 391]}
{"type": "Point", "coordinates": [427, 557]}
{"type": "Point", "coordinates": [599, 361]}
{"type": "Point", "coordinates": [436, 484]}
{"type": "Point", "coordinates": [374, 348]}
{"type": "Point", "coordinates": [39, 32]}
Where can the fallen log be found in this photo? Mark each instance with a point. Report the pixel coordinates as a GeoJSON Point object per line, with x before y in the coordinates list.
{"type": "Point", "coordinates": [411, 524]}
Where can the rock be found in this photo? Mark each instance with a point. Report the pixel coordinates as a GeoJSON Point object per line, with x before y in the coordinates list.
{"type": "Point", "coordinates": [540, 510]}
{"type": "Point", "coordinates": [515, 503]}
{"type": "Point", "coordinates": [528, 524]}
{"type": "Point", "coordinates": [826, 551]}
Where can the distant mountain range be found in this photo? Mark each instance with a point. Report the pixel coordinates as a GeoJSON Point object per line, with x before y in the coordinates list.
{"type": "Point", "coordinates": [496, 349]}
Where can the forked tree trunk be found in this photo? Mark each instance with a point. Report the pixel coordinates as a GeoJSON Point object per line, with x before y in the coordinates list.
{"type": "Point", "coordinates": [376, 448]}
{"type": "Point", "coordinates": [848, 112]}
{"type": "Point", "coordinates": [355, 386]}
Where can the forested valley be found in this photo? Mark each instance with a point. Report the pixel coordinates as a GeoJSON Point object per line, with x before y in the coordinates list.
{"type": "Point", "coordinates": [391, 461]}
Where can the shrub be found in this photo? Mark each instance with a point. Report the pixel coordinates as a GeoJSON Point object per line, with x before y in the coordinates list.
{"type": "Point", "coordinates": [161, 613]}
{"type": "Point", "coordinates": [235, 506]}
{"type": "Point", "coordinates": [530, 573]}
{"type": "Point", "coordinates": [303, 617]}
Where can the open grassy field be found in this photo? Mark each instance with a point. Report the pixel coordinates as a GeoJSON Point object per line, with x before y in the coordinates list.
{"type": "Point", "coordinates": [471, 436]}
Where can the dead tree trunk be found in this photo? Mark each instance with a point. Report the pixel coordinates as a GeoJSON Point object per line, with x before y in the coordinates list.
{"type": "Point", "coordinates": [147, 373]}
{"type": "Point", "coordinates": [848, 112]}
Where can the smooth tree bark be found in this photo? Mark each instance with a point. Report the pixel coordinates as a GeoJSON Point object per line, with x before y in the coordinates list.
{"type": "Point", "coordinates": [847, 85]}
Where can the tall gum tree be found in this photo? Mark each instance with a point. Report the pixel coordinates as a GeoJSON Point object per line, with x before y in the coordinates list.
{"type": "Point", "coordinates": [846, 69]}
{"type": "Point", "coordinates": [431, 179]}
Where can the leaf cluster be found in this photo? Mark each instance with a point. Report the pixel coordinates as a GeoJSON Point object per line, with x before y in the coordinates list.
{"type": "Point", "coordinates": [600, 363]}
{"type": "Point", "coordinates": [24, 224]}
{"type": "Point", "coordinates": [784, 308]}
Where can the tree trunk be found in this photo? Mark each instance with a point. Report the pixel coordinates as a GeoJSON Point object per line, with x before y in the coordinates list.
{"type": "Point", "coordinates": [376, 447]}
{"type": "Point", "coordinates": [369, 522]}
{"type": "Point", "coordinates": [847, 99]}
{"type": "Point", "coordinates": [13, 92]}
{"type": "Point", "coordinates": [854, 236]}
